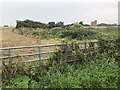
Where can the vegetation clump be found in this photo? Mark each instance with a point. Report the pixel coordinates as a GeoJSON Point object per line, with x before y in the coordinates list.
{"type": "Point", "coordinates": [96, 70]}
{"type": "Point", "coordinates": [100, 72]}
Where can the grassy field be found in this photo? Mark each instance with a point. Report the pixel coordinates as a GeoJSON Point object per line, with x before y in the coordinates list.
{"type": "Point", "coordinates": [72, 34]}
{"type": "Point", "coordinates": [97, 69]}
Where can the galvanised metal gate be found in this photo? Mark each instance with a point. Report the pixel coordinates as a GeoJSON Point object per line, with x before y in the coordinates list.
{"type": "Point", "coordinates": [39, 52]}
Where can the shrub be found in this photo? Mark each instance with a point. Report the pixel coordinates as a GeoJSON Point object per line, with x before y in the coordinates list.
{"type": "Point", "coordinates": [111, 47]}
{"type": "Point", "coordinates": [30, 24]}
{"type": "Point", "coordinates": [78, 34]}
{"type": "Point", "coordinates": [100, 72]}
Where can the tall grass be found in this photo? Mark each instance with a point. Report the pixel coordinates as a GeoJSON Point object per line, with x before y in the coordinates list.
{"type": "Point", "coordinates": [101, 72]}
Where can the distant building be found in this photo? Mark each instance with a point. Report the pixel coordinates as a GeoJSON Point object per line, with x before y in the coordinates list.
{"type": "Point", "coordinates": [94, 23]}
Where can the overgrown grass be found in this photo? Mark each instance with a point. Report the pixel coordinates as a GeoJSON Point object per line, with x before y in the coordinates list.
{"type": "Point", "coordinates": [73, 33]}
{"type": "Point", "coordinates": [101, 72]}
{"type": "Point", "coordinates": [98, 70]}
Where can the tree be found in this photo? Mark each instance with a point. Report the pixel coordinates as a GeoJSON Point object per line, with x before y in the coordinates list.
{"type": "Point", "coordinates": [30, 24]}
{"type": "Point", "coordinates": [51, 24]}
{"type": "Point", "coordinates": [81, 22]}
{"type": "Point", "coordinates": [60, 24]}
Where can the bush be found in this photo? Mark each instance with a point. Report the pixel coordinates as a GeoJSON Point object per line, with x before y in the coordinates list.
{"type": "Point", "coordinates": [79, 34]}
{"type": "Point", "coordinates": [92, 71]}
{"type": "Point", "coordinates": [101, 72]}
{"type": "Point", "coordinates": [111, 47]}
{"type": "Point", "coordinates": [71, 33]}
{"type": "Point", "coordinates": [30, 24]}
{"type": "Point", "coordinates": [72, 53]}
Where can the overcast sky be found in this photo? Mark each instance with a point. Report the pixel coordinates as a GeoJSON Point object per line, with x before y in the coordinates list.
{"type": "Point", "coordinates": [69, 11]}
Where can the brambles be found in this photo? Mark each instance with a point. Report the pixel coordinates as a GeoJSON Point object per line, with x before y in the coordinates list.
{"type": "Point", "coordinates": [100, 72]}
{"type": "Point", "coordinates": [95, 71]}
{"type": "Point", "coordinates": [71, 33]}
{"type": "Point", "coordinates": [30, 24]}
{"type": "Point", "coordinates": [70, 66]}
{"type": "Point", "coordinates": [72, 53]}
{"type": "Point", "coordinates": [79, 34]}
{"type": "Point", "coordinates": [58, 30]}
{"type": "Point", "coordinates": [111, 47]}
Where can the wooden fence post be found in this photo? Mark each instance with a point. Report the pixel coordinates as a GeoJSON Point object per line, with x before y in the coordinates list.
{"type": "Point", "coordinates": [9, 56]}
{"type": "Point", "coordinates": [65, 54]}
{"type": "Point", "coordinates": [39, 52]}
{"type": "Point", "coordinates": [85, 47]}
{"type": "Point", "coordinates": [85, 50]}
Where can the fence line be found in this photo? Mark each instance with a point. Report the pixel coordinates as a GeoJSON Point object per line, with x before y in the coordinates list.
{"type": "Point", "coordinates": [39, 51]}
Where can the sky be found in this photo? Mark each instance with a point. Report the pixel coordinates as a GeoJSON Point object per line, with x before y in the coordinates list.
{"type": "Point", "coordinates": [68, 11]}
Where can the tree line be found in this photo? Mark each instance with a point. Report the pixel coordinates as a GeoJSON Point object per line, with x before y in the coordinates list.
{"type": "Point", "coordinates": [35, 24]}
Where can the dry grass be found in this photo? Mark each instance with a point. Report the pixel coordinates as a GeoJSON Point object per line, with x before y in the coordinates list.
{"type": "Point", "coordinates": [11, 39]}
